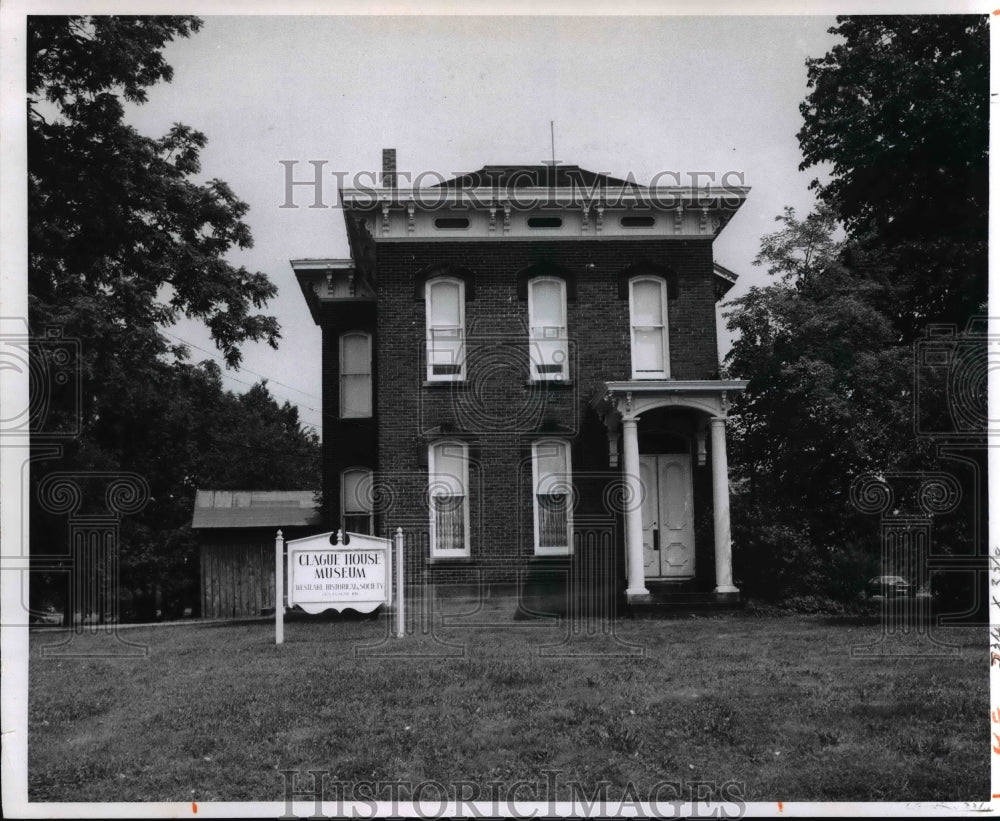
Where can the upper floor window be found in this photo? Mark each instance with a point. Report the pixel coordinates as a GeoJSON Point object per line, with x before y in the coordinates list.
{"type": "Point", "coordinates": [648, 313]}
{"type": "Point", "coordinates": [356, 501]}
{"type": "Point", "coordinates": [355, 375]}
{"type": "Point", "coordinates": [552, 497]}
{"type": "Point", "coordinates": [445, 304]}
{"type": "Point", "coordinates": [448, 491]}
{"type": "Point", "coordinates": [548, 345]}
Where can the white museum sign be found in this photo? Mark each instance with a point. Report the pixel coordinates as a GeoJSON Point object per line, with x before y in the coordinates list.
{"type": "Point", "coordinates": [322, 576]}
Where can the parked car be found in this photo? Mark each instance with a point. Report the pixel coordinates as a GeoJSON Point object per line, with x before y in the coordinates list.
{"type": "Point", "coordinates": [889, 586]}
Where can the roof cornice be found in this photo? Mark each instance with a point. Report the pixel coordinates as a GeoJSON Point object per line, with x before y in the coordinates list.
{"type": "Point", "coordinates": [663, 197]}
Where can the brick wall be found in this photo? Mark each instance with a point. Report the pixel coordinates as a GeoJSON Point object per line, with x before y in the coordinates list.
{"type": "Point", "coordinates": [495, 410]}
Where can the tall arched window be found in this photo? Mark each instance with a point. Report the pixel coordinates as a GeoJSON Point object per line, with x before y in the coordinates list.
{"type": "Point", "coordinates": [356, 501]}
{"type": "Point", "coordinates": [552, 480]}
{"type": "Point", "coordinates": [445, 305]}
{"type": "Point", "coordinates": [448, 491]}
{"type": "Point", "coordinates": [355, 375]}
{"type": "Point", "coordinates": [648, 313]}
{"type": "Point", "coordinates": [548, 345]}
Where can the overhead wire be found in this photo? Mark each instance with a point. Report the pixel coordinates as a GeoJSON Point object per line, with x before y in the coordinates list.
{"type": "Point", "coordinates": [216, 357]}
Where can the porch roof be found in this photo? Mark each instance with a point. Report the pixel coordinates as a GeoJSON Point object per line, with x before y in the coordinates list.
{"type": "Point", "coordinates": [675, 385]}
{"type": "Point", "coordinates": [631, 397]}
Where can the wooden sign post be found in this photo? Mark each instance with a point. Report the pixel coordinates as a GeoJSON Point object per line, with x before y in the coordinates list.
{"type": "Point", "coordinates": [279, 589]}
{"type": "Point", "coordinates": [400, 593]}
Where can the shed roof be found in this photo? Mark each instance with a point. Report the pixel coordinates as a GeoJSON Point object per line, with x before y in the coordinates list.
{"type": "Point", "coordinates": [255, 508]}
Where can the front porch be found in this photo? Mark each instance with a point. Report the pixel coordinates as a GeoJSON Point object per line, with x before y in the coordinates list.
{"type": "Point", "coordinates": [669, 439]}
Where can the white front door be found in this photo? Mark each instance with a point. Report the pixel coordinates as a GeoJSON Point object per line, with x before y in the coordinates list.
{"type": "Point", "coordinates": [667, 516]}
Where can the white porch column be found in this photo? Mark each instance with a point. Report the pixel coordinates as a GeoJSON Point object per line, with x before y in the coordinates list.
{"type": "Point", "coordinates": [633, 510]}
{"type": "Point", "coordinates": [720, 503]}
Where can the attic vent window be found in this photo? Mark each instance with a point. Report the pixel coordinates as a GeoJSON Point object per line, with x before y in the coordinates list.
{"type": "Point", "coordinates": [545, 222]}
{"type": "Point", "coordinates": [638, 222]}
{"type": "Point", "coordinates": [451, 222]}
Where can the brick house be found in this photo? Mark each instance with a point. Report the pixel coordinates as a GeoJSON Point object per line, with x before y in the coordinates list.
{"type": "Point", "coordinates": [520, 369]}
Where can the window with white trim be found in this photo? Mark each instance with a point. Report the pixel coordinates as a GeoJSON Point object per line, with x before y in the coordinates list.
{"type": "Point", "coordinates": [448, 491]}
{"type": "Point", "coordinates": [445, 305]}
{"type": "Point", "coordinates": [355, 375]}
{"type": "Point", "coordinates": [356, 501]}
{"type": "Point", "coordinates": [552, 497]}
{"type": "Point", "coordinates": [549, 346]}
{"type": "Point", "coordinates": [648, 313]}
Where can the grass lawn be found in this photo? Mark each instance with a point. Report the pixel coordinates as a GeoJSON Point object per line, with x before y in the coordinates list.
{"type": "Point", "coordinates": [214, 712]}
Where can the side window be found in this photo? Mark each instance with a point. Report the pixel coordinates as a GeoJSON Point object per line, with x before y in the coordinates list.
{"type": "Point", "coordinates": [648, 313]}
{"type": "Point", "coordinates": [356, 501]}
{"type": "Point", "coordinates": [447, 488]}
{"type": "Point", "coordinates": [548, 345]}
{"type": "Point", "coordinates": [552, 497]}
{"type": "Point", "coordinates": [355, 375]}
{"type": "Point", "coordinates": [445, 303]}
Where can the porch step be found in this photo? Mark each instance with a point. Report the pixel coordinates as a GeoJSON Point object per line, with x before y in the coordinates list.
{"type": "Point", "coordinates": [681, 597]}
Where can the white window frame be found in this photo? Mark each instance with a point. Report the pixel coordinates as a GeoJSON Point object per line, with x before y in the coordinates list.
{"type": "Point", "coordinates": [369, 475]}
{"type": "Point", "coordinates": [664, 373]}
{"type": "Point", "coordinates": [460, 331]}
{"type": "Point", "coordinates": [434, 482]}
{"type": "Point", "coordinates": [548, 345]}
{"type": "Point", "coordinates": [541, 444]}
{"type": "Point", "coordinates": [343, 409]}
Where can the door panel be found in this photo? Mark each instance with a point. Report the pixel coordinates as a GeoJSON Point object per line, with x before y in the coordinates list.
{"type": "Point", "coordinates": [667, 515]}
{"type": "Point", "coordinates": [677, 515]}
{"type": "Point", "coordinates": [674, 501]}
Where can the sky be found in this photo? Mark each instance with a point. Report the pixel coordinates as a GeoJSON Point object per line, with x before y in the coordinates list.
{"type": "Point", "coordinates": [627, 95]}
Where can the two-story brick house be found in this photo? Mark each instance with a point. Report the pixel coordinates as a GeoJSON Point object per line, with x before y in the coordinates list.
{"type": "Point", "coordinates": [520, 368]}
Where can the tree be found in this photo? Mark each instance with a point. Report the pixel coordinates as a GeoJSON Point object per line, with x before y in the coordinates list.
{"type": "Point", "coordinates": [118, 228]}
{"type": "Point", "coordinates": [189, 433]}
{"type": "Point", "coordinates": [900, 112]}
{"type": "Point", "coordinates": [828, 399]}
{"type": "Point", "coordinates": [180, 430]}
{"type": "Point", "coordinates": [123, 240]}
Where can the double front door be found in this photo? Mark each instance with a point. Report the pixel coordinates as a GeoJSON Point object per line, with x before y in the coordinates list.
{"type": "Point", "coordinates": [667, 515]}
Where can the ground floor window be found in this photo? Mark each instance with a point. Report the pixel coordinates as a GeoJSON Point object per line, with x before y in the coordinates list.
{"type": "Point", "coordinates": [356, 501]}
{"type": "Point", "coordinates": [448, 492]}
{"type": "Point", "coordinates": [552, 497]}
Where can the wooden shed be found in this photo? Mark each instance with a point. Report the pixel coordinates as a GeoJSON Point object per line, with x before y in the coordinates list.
{"type": "Point", "coordinates": [236, 529]}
